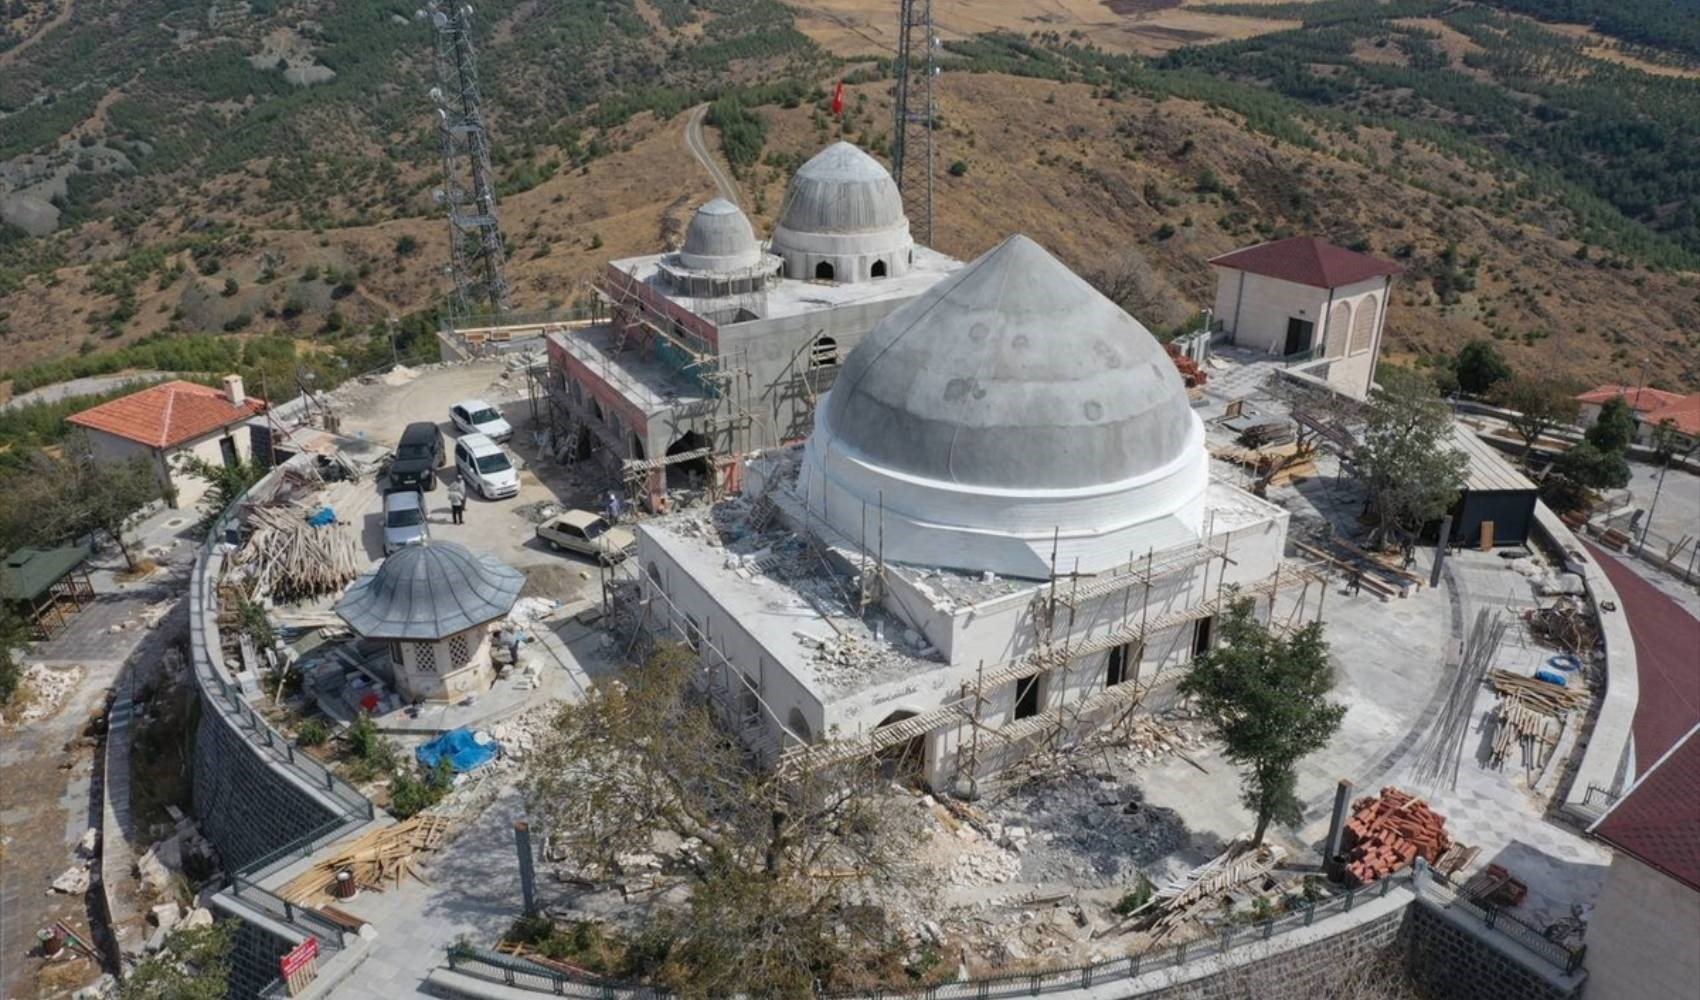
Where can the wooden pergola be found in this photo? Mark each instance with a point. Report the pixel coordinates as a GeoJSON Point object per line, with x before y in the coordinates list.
{"type": "Point", "coordinates": [46, 587]}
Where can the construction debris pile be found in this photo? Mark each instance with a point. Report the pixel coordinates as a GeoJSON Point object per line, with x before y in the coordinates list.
{"type": "Point", "coordinates": [1190, 372]}
{"type": "Point", "coordinates": [1531, 715]}
{"type": "Point", "coordinates": [1088, 829]}
{"type": "Point", "coordinates": [1386, 832]}
{"type": "Point", "coordinates": [1235, 871]}
{"type": "Point", "coordinates": [1566, 625]}
{"type": "Point", "coordinates": [302, 547]}
{"type": "Point", "coordinates": [375, 861]}
{"type": "Point", "coordinates": [47, 689]}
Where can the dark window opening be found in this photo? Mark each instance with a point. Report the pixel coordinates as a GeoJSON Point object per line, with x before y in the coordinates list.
{"type": "Point", "coordinates": [823, 271]}
{"type": "Point", "coordinates": [227, 450]}
{"type": "Point", "coordinates": [1117, 672]}
{"type": "Point", "coordinates": [690, 473]}
{"type": "Point", "coordinates": [878, 270]}
{"type": "Point", "coordinates": [1298, 336]}
{"type": "Point", "coordinates": [904, 761]}
{"type": "Point", "coordinates": [1027, 697]}
{"type": "Point", "coordinates": [1201, 636]}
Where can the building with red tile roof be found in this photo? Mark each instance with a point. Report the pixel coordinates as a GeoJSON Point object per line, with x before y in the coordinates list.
{"type": "Point", "coordinates": [1644, 933]}
{"type": "Point", "coordinates": [168, 422]}
{"type": "Point", "coordinates": [1319, 306]}
{"type": "Point", "coordinates": [1650, 407]}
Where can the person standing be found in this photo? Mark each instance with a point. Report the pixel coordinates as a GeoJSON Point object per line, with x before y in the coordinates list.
{"type": "Point", "coordinates": [457, 501]}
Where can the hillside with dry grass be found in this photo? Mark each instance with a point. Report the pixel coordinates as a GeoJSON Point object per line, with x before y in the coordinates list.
{"type": "Point", "coordinates": [1436, 135]}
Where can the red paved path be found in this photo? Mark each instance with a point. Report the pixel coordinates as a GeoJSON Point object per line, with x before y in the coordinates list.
{"type": "Point", "coordinates": [1667, 656]}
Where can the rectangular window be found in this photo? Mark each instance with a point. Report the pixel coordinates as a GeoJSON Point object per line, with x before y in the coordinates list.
{"type": "Point", "coordinates": [693, 634]}
{"type": "Point", "coordinates": [750, 704]}
{"type": "Point", "coordinates": [1201, 636]}
{"type": "Point", "coordinates": [1027, 697]}
{"type": "Point", "coordinates": [1117, 672]}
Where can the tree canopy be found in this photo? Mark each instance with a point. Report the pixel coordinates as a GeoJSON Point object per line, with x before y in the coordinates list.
{"type": "Point", "coordinates": [1266, 698]}
{"type": "Point", "coordinates": [1538, 405]}
{"type": "Point", "coordinates": [1480, 367]}
{"type": "Point", "coordinates": [1614, 428]}
{"type": "Point", "coordinates": [1405, 457]}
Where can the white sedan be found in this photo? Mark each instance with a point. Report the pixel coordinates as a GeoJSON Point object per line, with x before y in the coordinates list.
{"type": "Point", "coordinates": [474, 416]}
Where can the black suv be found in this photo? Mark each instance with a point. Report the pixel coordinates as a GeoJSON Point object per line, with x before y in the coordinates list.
{"type": "Point", "coordinates": [417, 458]}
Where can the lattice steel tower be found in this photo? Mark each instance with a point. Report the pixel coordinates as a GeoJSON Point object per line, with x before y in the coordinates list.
{"type": "Point", "coordinates": [468, 195]}
{"type": "Point", "coordinates": [912, 129]}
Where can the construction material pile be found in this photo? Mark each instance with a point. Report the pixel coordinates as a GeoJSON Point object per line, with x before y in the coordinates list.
{"type": "Point", "coordinates": [1567, 625]}
{"type": "Point", "coordinates": [1191, 374]}
{"type": "Point", "coordinates": [1233, 871]}
{"type": "Point", "coordinates": [303, 548]}
{"type": "Point", "coordinates": [1530, 715]}
{"type": "Point", "coordinates": [378, 859]}
{"type": "Point", "coordinates": [1388, 831]}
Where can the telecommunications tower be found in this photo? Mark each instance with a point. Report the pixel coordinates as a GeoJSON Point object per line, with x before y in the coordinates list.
{"type": "Point", "coordinates": [468, 194]}
{"type": "Point", "coordinates": [912, 130]}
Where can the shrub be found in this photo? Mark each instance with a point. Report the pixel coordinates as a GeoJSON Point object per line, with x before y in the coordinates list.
{"type": "Point", "coordinates": [1165, 231]}
{"type": "Point", "coordinates": [313, 732]}
{"type": "Point", "coordinates": [959, 168]}
{"type": "Point", "coordinates": [406, 246]}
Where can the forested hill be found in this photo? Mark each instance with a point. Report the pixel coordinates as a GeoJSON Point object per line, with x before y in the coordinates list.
{"type": "Point", "coordinates": [1672, 24]}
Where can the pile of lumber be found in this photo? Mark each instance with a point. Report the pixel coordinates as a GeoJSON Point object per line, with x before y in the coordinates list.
{"type": "Point", "coordinates": [1549, 699]}
{"type": "Point", "coordinates": [1516, 725]}
{"type": "Point", "coordinates": [1386, 832]}
{"type": "Point", "coordinates": [377, 859]}
{"type": "Point", "coordinates": [1226, 872]}
{"type": "Point", "coordinates": [291, 560]}
{"type": "Point", "coordinates": [1372, 573]}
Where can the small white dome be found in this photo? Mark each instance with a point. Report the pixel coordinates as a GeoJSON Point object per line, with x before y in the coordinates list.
{"type": "Point", "coordinates": [720, 238]}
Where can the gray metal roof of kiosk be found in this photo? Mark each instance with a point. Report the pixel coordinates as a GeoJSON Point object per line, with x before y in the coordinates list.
{"type": "Point", "coordinates": [720, 238]}
{"type": "Point", "coordinates": [430, 591]}
{"type": "Point", "coordinates": [1012, 373]}
{"type": "Point", "coordinates": [842, 190]}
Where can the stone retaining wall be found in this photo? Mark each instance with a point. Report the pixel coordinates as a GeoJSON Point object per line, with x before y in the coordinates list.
{"type": "Point", "coordinates": [1451, 955]}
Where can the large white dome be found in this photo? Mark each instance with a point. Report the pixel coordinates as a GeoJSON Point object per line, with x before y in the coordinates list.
{"type": "Point", "coordinates": [843, 215]}
{"type": "Point", "coordinates": [1010, 405]}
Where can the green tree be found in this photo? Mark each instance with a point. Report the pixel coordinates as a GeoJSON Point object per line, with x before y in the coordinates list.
{"type": "Point", "coordinates": [193, 965]}
{"type": "Point", "coordinates": [225, 482]}
{"type": "Point", "coordinates": [1614, 429]}
{"type": "Point", "coordinates": [1405, 459]}
{"type": "Point", "coordinates": [1266, 698]}
{"type": "Point", "coordinates": [13, 634]}
{"type": "Point", "coordinates": [1480, 367]}
{"type": "Point", "coordinates": [1538, 405]}
{"type": "Point", "coordinates": [1590, 466]}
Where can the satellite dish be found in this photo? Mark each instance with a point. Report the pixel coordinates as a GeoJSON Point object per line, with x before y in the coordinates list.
{"type": "Point", "coordinates": [438, 19]}
{"type": "Point", "coordinates": [436, 94]}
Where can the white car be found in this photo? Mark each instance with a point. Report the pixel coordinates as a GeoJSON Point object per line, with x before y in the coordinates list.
{"type": "Point", "coordinates": [485, 467]}
{"type": "Point", "coordinates": [474, 416]}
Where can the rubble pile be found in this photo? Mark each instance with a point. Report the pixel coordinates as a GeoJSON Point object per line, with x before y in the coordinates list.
{"type": "Point", "coordinates": [1089, 830]}
{"type": "Point", "coordinates": [48, 688]}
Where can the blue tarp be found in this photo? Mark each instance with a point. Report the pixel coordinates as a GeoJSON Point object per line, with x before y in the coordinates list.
{"type": "Point", "coordinates": [462, 751]}
{"type": "Point", "coordinates": [322, 517]}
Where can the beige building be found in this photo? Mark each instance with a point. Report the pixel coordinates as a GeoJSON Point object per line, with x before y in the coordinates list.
{"type": "Point", "coordinates": [1644, 934]}
{"type": "Point", "coordinates": [168, 423]}
{"type": "Point", "coordinates": [1318, 306]}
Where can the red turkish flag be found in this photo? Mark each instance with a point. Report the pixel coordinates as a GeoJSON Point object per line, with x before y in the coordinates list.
{"type": "Point", "coordinates": [838, 99]}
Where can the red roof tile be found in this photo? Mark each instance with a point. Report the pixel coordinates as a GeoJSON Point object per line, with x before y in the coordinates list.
{"type": "Point", "coordinates": [1640, 399]}
{"type": "Point", "coordinates": [1667, 674]}
{"type": "Point", "coordinates": [1684, 415]}
{"type": "Point", "coordinates": [167, 414]}
{"type": "Point", "coordinates": [1658, 821]}
{"type": "Point", "coordinates": [1307, 260]}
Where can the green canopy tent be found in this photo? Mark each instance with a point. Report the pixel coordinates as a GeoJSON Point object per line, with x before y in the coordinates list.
{"type": "Point", "coordinates": [46, 586]}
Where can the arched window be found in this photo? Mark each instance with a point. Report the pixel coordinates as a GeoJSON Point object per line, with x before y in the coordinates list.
{"type": "Point", "coordinates": [596, 408]}
{"type": "Point", "coordinates": [1339, 328]}
{"type": "Point", "coordinates": [878, 270]}
{"type": "Point", "coordinates": [823, 271]}
{"type": "Point", "coordinates": [823, 352]}
{"type": "Point", "coordinates": [1363, 324]}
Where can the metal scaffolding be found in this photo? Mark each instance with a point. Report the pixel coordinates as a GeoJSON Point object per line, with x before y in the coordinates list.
{"type": "Point", "coordinates": [912, 127]}
{"type": "Point", "coordinates": [468, 196]}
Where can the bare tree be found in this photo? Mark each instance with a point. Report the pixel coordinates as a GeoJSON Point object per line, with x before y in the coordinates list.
{"type": "Point", "coordinates": [648, 755]}
{"type": "Point", "coordinates": [1539, 405]}
{"type": "Point", "coordinates": [1132, 283]}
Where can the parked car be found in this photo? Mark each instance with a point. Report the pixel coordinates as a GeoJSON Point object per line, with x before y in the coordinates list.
{"type": "Point", "coordinates": [587, 534]}
{"type": "Point", "coordinates": [417, 457]}
{"type": "Point", "coordinates": [404, 520]}
{"type": "Point", "coordinates": [474, 416]}
{"type": "Point", "coordinates": [485, 467]}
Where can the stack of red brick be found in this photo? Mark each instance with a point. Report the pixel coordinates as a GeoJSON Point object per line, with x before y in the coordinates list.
{"type": "Point", "coordinates": [1191, 374]}
{"type": "Point", "coordinates": [1386, 832]}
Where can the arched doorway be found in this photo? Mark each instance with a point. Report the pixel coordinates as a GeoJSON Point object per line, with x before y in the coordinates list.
{"type": "Point", "coordinates": [823, 271]}
{"type": "Point", "coordinates": [905, 761]}
{"type": "Point", "coordinates": [878, 270]}
{"type": "Point", "coordinates": [692, 473]}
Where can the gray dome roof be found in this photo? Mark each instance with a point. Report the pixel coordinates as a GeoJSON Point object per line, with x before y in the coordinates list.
{"type": "Point", "coordinates": [843, 190]}
{"type": "Point", "coordinates": [720, 238]}
{"type": "Point", "coordinates": [1012, 373]}
{"type": "Point", "coordinates": [429, 591]}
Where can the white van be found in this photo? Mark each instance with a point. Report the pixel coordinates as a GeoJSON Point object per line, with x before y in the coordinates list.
{"type": "Point", "coordinates": [485, 467]}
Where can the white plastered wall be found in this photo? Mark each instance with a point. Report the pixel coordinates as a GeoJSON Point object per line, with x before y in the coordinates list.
{"type": "Point", "coordinates": [1255, 310]}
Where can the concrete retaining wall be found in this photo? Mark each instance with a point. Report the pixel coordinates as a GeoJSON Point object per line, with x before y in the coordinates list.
{"type": "Point", "coordinates": [1453, 955]}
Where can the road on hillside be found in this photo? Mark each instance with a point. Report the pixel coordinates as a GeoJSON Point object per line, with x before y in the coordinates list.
{"type": "Point", "coordinates": [698, 147]}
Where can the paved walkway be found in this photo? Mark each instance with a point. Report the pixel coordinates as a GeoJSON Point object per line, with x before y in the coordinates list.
{"type": "Point", "coordinates": [1667, 657]}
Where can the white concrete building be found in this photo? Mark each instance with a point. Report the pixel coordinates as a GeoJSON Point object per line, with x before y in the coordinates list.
{"type": "Point", "coordinates": [1313, 303]}
{"type": "Point", "coordinates": [170, 421]}
{"type": "Point", "coordinates": [727, 343]}
{"type": "Point", "coordinates": [892, 583]}
{"type": "Point", "coordinates": [1644, 933]}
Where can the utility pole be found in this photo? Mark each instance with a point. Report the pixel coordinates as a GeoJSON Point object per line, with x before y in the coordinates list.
{"type": "Point", "coordinates": [468, 196]}
{"type": "Point", "coordinates": [912, 124]}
